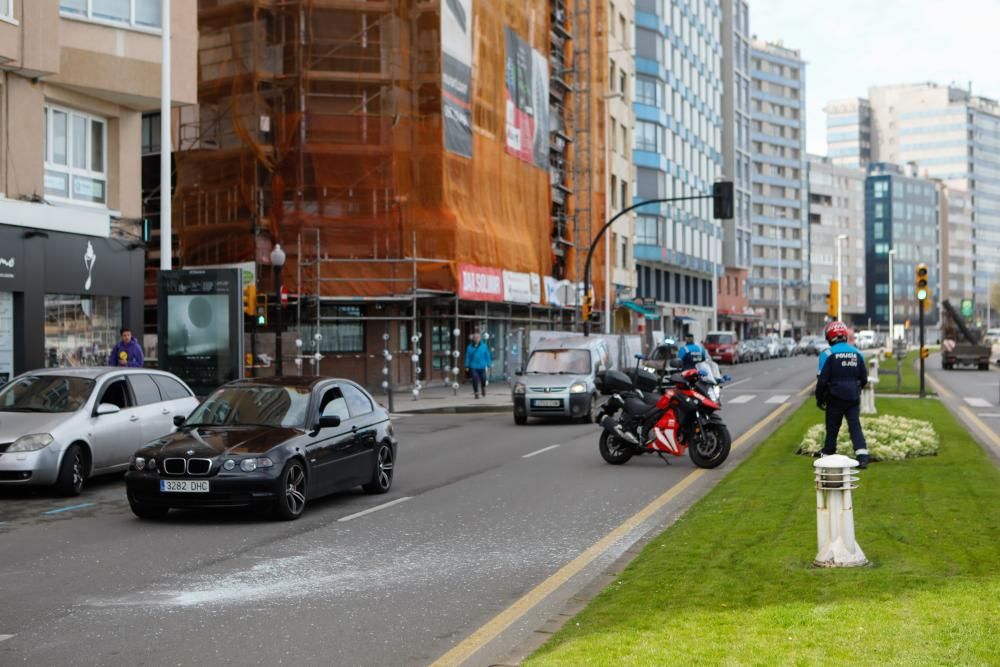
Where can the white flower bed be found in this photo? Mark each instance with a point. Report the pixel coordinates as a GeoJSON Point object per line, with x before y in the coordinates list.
{"type": "Point", "coordinates": [889, 438]}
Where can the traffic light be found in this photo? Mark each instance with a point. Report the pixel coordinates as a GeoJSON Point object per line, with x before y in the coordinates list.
{"type": "Point", "coordinates": [588, 305]}
{"type": "Point", "coordinates": [922, 290]}
{"type": "Point", "coordinates": [924, 352]}
{"type": "Point", "coordinates": [722, 200]}
{"type": "Point", "coordinates": [250, 299]}
{"type": "Point", "coordinates": [262, 309]}
{"type": "Point", "coordinates": [832, 298]}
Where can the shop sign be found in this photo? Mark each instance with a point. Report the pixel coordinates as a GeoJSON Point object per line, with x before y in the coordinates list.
{"type": "Point", "coordinates": [480, 283]}
{"type": "Point", "coordinates": [517, 288]}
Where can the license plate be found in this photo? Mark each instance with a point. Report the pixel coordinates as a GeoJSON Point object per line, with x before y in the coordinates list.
{"type": "Point", "coordinates": [546, 403]}
{"type": "Point", "coordinates": [184, 485]}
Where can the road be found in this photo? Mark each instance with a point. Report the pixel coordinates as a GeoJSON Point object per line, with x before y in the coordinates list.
{"type": "Point", "coordinates": [973, 395]}
{"type": "Point", "coordinates": [482, 511]}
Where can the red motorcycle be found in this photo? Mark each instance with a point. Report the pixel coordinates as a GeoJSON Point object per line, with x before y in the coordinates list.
{"type": "Point", "coordinates": [681, 420]}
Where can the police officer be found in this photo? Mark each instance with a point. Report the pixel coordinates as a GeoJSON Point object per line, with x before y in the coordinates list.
{"type": "Point", "coordinates": [691, 353]}
{"type": "Point", "coordinates": [841, 377]}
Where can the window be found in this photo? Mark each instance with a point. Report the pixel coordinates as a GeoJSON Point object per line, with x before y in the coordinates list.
{"type": "Point", "coordinates": [132, 13]}
{"type": "Point", "coordinates": [333, 404]}
{"type": "Point", "coordinates": [646, 228]}
{"type": "Point", "coordinates": [80, 330]}
{"type": "Point", "coordinates": [645, 91]}
{"type": "Point", "coordinates": [645, 136]}
{"type": "Point", "coordinates": [145, 389]}
{"type": "Point", "coordinates": [170, 388]}
{"type": "Point", "coordinates": [357, 402]}
{"type": "Point", "coordinates": [7, 8]}
{"type": "Point", "coordinates": [151, 134]}
{"type": "Point", "coordinates": [339, 333]}
{"type": "Point", "coordinates": [75, 149]}
{"type": "Point", "coordinates": [117, 393]}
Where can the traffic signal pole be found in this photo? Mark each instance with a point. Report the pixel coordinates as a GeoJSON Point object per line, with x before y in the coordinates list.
{"type": "Point", "coordinates": [920, 307]}
{"type": "Point", "coordinates": [593, 244]}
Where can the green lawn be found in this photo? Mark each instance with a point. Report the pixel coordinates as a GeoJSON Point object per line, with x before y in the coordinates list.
{"type": "Point", "coordinates": [911, 376]}
{"type": "Point", "coordinates": [732, 582]}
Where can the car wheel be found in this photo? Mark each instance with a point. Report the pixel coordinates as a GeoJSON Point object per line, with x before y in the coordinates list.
{"type": "Point", "coordinates": [382, 475]}
{"type": "Point", "coordinates": [143, 511]}
{"type": "Point", "coordinates": [71, 472]}
{"type": "Point", "coordinates": [292, 496]}
{"type": "Point", "coordinates": [520, 420]}
{"type": "Point", "coordinates": [591, 416]}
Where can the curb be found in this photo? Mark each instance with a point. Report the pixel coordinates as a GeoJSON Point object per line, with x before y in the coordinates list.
{"type": "Point", "coordinates": [456, 409]}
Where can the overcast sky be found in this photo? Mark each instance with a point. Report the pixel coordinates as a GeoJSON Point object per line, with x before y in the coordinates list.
{"type": "Point", "coordinates": [849, 45]}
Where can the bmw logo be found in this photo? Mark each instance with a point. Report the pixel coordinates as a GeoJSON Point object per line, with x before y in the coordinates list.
{"type": "Point", "coordinates": [190, 452]}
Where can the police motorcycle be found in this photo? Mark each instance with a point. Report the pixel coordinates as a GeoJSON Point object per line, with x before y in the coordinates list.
{"type": "Point", "coordinates": [669, 414]}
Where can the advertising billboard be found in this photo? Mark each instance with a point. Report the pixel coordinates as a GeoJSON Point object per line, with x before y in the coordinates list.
{"type": "Point", "coordinates": [200, 326]}
{"type": "Point", "coordinates": [456, 75]}
{"type": "Point", "coordinates": [526, 87]}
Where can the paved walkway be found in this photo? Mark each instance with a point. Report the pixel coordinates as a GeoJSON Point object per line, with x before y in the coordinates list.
{"type": "Point", "coordinates": [441, 399]}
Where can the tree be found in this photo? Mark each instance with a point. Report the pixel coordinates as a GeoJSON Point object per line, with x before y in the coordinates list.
{"type": "Point", "coordinates": [995, 295]}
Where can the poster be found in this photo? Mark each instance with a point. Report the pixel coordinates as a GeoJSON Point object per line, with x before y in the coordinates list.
{"type": "Point", "coordinates": [480, 283]}
{"type": "Point", "coordinates": [526, 88]}
{"type": "Point", "coordinates": [456, 75]}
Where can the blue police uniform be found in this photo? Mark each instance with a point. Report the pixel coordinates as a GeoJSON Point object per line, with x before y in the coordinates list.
{"type": "Point", "coordinates": [692, 354]}
{"type": "Point", "coordinates": [841, 376]}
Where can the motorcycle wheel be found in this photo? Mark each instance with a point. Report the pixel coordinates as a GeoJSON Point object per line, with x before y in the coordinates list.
{"type": "Point", "coordinates": [711, 448]}
{"type": "Point", "coordinates": [613, 450]}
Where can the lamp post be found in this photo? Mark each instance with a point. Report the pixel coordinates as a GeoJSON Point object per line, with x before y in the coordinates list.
{"type": "Point", "coordinates": [166, 150]}
{"type": "Point", "coordinates": [781, 289]}
{"type": "Point", "coordinates": [278, 261]}
{"type": "Point", "coordinates": [840, 278]}
{"type": "Point", "coordinates": [892, 296]}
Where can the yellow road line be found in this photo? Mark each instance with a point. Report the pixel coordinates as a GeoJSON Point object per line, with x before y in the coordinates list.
{"type": "Point", "coordinates": [987, 431]}
{"type": "Point", "coordinates": [492, 629]}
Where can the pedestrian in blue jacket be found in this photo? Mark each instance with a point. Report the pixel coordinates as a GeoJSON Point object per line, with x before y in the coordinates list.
{"type": "Point", "coordinates": [477, 360]}
{"type": "Point", "coordinates": [841, 376]}
{"type": "Point", "coordinates": [126, 352]}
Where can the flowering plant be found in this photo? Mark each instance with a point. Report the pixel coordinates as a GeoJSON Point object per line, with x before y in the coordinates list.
{"type": "Point", "coordinates": [889, 438]}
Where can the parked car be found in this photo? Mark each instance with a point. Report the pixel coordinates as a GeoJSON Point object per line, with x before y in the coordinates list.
{"type": "Point", "coordinates": [802, 345]}
{"type": "Point", "coordinates": [722, 347]}
{"type": "Point", "coordinates": [60, 426]}
{"type": "Point", "coordinates": [274, 443]}
{"type": "Point", "coordinates": [771, 347]}
{"type": "Point", "coordinates": [787, 346]}
{"type": "Point", "coordinates": [558, 380]}
{"type": "Point", "coordinates": [745, 351]}
{"type": "Point", "coordinates": [759, 349]}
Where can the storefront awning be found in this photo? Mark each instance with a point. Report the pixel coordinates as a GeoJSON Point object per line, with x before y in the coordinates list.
{"type": "Point", "coordinates": [684, 318]}
{"type": "Point", "coordinates": [648, 314]}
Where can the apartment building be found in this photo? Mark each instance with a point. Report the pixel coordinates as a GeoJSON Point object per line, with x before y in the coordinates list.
{"type": "Point", "coordinates": [849, 132]}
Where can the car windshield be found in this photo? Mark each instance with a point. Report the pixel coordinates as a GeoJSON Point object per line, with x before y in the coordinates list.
{"type": "Point", "coordinates": [571, 362]}
{"type": "Point", "coordinates": [253, 405]}
{"type": "Point", "coordinates": [720, 339]}
{"type": "Point", "coordinates": [45, 393]}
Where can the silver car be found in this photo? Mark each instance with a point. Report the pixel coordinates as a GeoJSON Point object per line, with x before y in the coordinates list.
{"type": "Point", "coordinates": [60, 426]}
{"type": "Point", "coordinates": [559, 380]}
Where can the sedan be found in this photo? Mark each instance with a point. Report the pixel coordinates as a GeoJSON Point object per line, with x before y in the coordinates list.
{"type": "Point", "coordinates": [60, 426]}
{"type": "Point", "coordinates": [272, 443]}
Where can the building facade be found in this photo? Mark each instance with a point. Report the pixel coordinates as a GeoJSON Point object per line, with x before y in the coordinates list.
{"type": "Point", "coordinates": [957, 244]}
{"type": "Point", "coordinates": [901, 216]}
{"type": "Point", "coordinates": [75, 78]}
{"type": "Point", "coordinates": [734, 302]}
{"type": "Point", "coordinates": [836, 216]}
{"type": "Point", "coordinates": [620, 97]}
{"type": "Point", "coordinates": [677, 153]}
{"type": "Point", "coordinates": [779, 278]}
{"type": "Point", "coordinates": [849, 132]}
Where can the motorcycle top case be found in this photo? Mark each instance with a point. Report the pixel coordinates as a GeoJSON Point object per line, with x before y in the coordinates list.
{"type": "Point", "coordinates": [644, 380]}
{"type": "Point", "coordinates": [610, 382]}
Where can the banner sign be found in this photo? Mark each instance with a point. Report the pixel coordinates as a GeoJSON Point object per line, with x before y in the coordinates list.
{"type": "Point", "coordinates": [526, 87]}
{"type": "Point", "coordinates": [456, 75]}
{"type": "Point", "coordinates": [517, 287]}
{"type": "Point", "coordinates": [480, 283]}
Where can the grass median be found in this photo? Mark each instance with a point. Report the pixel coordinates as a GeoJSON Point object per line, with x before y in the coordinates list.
{"type": "Point", "coordinates": [732, 582]}
{"type": "Point", "coordinates": [910, 383]}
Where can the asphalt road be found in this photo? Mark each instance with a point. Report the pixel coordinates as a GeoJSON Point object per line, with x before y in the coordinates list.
{"type": "Point", "coordinates": [973, 395]}
{"type": "Point", "coordinates": [481, 512]}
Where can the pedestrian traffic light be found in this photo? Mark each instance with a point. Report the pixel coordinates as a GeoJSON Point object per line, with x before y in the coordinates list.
{"type": "Point", "coordinates": [722, 200]}
{"type": "Point", "coordinates": [261, 309]}
{"type": "Point", "coordinates": [250, 299]}
{"type": "Point", "coordinates": [832, 298]}
{"type": "Point", "coordinates": [922, 290]}
{"type": "Point", "coordinates": [588, 305]}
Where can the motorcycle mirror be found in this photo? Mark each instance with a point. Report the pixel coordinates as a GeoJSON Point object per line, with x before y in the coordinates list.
{"type": "Point", "coordinates": [727, 378]}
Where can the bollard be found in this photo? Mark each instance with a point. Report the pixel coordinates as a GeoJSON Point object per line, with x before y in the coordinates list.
{"type": "Point", "coordinates": [835, 513]}
{"type": "Point", "coordinates": [868, 393]}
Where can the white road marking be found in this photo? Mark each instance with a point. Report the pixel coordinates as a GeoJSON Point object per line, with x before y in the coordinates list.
{"type": "Point", "coordinates": [989, 414]}
{"type": "Point", "coordinates": [733, 384]}
{"type": "Point", "coordinates": [375, 509]}
{"type": "Point", "coordinates": [745, 398]}
{"type": "Point", "coordinates": [780, 398]}
{"type": "Point", "coordinates": [4, 638]}
{"type": "Point", "coordinates": [977, 402]}
{"type": "Point", "coordinates": [543, 449]}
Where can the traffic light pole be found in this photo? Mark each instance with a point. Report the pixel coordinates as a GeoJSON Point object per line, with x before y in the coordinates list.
{"type": "Point", "coordinates": [600, 234]}
{"type": "Point", "coordinates": [920, 307]}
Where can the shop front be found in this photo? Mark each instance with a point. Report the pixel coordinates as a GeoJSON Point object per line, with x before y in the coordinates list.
{"type": "Point", "coordinates": [64, 297]}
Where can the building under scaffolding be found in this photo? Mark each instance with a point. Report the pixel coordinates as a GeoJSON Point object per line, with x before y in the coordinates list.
{"type": "Point", "coordinates": [427, 165]}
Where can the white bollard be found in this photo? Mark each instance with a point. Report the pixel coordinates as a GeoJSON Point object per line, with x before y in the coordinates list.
{"type": "Point", "coordinates": [835, 513]}
{"type": "Point", "coordinates": [868, 393]}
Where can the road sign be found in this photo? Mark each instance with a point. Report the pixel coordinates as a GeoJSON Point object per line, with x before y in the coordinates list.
{"type": "Point", "coordinates": [284, 295]}
{"type": "Point", "coordinates": [968, 307]}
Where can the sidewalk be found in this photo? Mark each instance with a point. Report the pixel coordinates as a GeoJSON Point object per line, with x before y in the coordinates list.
{"type": "Point", "coordinates": [438, 398]}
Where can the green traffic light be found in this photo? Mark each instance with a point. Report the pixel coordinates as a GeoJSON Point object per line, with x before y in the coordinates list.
{"type": "Point", "coordinates": [921, 294]}
{"type": "Point", "coordinates": [261, 320]}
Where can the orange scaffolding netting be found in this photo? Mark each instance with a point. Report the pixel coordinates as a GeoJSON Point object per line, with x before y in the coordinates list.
{"type": "Point", "coordinates": [327, 114]}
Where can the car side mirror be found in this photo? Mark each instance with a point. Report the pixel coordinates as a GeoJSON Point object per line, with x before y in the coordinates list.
{"type": "Point", "coordinates": [179, 420]}
{"type": "Point", "coordinates": [107, 409]}
{"type": "Point", "coordinates": [328, 421]}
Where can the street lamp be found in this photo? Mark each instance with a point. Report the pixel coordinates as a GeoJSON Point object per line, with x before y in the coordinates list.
{"type": "Point", "coordinates": [840, 278]}
{"type": "Point", "coordinates": [892, 296]}
{"type": "Point", "coordinates": [278, 261]}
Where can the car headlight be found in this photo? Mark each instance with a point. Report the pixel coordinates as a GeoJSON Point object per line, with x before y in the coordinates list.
{"type": "Point", "coordinates": [249, 465]}
{"type": "Point", "coordinates": [519, 388]}
{"type": "Point", "coordinates": [229, 464]}
{"type": "Point", "coordinates": [31, 443]}
{"type": "Point", "coordinates": [578, 388]}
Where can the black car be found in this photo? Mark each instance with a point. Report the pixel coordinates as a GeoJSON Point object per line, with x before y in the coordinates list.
{"type": "Point", "coordinates": [274, 443]}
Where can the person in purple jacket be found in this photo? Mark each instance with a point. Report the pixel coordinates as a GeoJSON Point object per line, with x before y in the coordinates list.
{"type": "Point", "coordinates": [126, 352]}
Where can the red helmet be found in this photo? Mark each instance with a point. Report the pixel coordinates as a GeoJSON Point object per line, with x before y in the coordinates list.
{"type": "Point", "coordinates": [835, 332]}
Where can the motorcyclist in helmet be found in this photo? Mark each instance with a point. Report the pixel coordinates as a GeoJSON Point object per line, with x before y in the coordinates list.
{"type": "Point", "coordinates": [841, 376]}
{"type": "Point", "coordinates": [691, 353]}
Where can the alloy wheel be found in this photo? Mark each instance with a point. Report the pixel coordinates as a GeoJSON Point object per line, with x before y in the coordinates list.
{"type": "Point", "coordinates": [385, 466]}
{"type": "Point", "coordinates": [295, 489]}
{"type": "Point", "coordinates": [77, 470]}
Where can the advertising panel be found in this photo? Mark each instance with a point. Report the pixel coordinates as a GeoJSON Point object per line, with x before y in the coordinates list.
{"type": "Point", "coordinates": [480, 283]}
{"type": "Point", "coordinates": [200, 330]}
{"type": "Point", "coordinates": [516, 287]}
{"type": "Point", "coordinates": [456, 75]}
{"type": "Point", "coordinates": [526, 87]}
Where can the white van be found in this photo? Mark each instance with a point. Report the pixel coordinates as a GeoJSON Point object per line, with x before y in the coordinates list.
{"type": "Point", "coordinates": [864, 339]}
